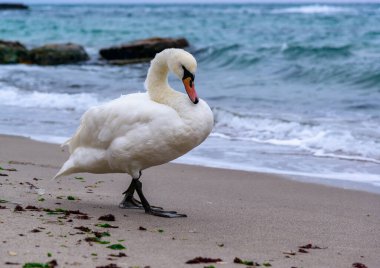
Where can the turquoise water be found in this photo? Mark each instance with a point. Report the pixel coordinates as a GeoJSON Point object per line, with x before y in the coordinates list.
{"type": "Point", "coordinates": [295, 89]}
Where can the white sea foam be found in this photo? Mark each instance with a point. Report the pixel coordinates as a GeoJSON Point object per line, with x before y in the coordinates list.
{"type": "Point", "coordinates": [284, 47]}
{"type": "Point", "coordinates": [354, 177]}
{"type": "Point", "coordinates": [12, 96]}
{"type": "Point", "coordinates": [49, 138]}
{"type": "Point", "coordinates": [314, 9]}
{"type": "Point", "coordinates": [321, 139]}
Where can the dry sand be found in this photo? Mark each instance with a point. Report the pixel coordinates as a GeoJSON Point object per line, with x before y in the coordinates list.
{"type": "Point", "coordinates": [231, 214]}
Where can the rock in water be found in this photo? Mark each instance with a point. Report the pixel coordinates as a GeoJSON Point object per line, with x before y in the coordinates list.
{"type": "Point", "coordinates": [55, 54]}
{"type": "Point", "coordinates": [4, 6]}
{"type": "Point", "coordinates": [140, 50]}
{"type": "Point", "coordinates": [12, 52]}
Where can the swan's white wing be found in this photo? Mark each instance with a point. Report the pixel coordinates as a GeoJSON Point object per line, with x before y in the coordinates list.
{"type": "Point", "coordinates": [101, 125]}
{"type": "Point", "coordinates": [129, 129]}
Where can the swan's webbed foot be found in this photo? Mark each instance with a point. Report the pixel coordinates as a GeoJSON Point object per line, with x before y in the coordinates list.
{"type": "Point", "coordinates": [129, 202]}
{"type": "Point", "coordinates": [165, 214]}
{"type": "Point", "coordinates": [132, 203]}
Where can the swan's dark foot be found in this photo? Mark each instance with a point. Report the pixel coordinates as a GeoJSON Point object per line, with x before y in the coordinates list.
{"type": "Point", "coordinates": [132, 203]}
{"type": "Point", "coordinates": [152, 210]}
{"type": "Point", "coordinates": [165, 214]}
{"type": "Point", "coordinates": [129, 202]}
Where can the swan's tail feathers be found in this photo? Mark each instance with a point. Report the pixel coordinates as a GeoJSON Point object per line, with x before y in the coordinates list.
{"type": "Point", "coordinates": [66, 143]}
{"type": "Point", "coordinates": [67, 168]}
{"type": "Point", "coordinates": [85, 160]}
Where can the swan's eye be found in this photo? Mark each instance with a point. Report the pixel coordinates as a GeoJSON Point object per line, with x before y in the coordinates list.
{"type": "Point", "coordinates": [187, 74]}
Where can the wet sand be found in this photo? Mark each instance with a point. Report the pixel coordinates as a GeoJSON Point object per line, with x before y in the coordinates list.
{"type": "Point", "coordinates": [253, 216]}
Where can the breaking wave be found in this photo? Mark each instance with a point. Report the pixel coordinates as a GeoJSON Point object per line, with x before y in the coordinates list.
{"type": "Point", "coordinates": [12, 96]}
{"type": "Point", "coordinates": [315, 137]}
{"type": "Point", "coordinates": [314, 9]}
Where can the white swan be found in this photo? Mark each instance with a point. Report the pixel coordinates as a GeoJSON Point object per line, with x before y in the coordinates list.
{"type": "Point", "coordinates": [141, 130]}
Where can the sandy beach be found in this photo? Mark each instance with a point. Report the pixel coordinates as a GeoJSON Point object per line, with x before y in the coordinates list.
{"type": "Point", "coordinates": [256, 217]}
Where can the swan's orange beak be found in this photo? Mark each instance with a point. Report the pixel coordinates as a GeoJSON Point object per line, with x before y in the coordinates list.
{"type": "Point", "coordinates": [190, 89]}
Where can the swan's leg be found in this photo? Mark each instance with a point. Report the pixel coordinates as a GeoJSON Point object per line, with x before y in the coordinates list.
{"type": "Point", "coordinates": [129, 202]}
{"type": "Point", "coordinates": [150, 210]}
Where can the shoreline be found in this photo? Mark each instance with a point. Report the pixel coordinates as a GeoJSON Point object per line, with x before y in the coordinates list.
{"type": "Point", "coordinates": [330, 180]}
{"type": "Point", "coordinates": [253, 216]}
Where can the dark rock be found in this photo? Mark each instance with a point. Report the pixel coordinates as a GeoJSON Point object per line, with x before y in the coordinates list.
{"type": "Point", "coordinates": [120, 255]}
{"type": "Point", "coordinates": [83, 229]}
{"type": "Point", "coordinates": [55, 54]}
{"type": "Point", "coordinates": [52, 264]}
{"type": "Point", "coordinates": [358, 265]}
{"type": "Point", "coordinates": [19, 208]}
{"type": "Point", "coordinates": [12, 52]}
{"type": "Point", "coordinates": [108, 217]}
{"type": "Point", "coordinates": [33, 208]}
{"type": "Point", "coordinates": [198, 260]}
{"type": "Point", "coordinates": [140, 50]}
{"type": "Point", "coordinates": [4, 6]}
{"type": "Point", "coordinates": [82, 217]}
{"type": "Point", "coordinates": [111, 265]}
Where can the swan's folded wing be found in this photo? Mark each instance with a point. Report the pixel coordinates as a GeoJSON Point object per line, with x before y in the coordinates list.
{"type": "Point", "coordinates": [100, 125]}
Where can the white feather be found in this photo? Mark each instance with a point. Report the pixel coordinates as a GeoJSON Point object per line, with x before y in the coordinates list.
{"type": "Point", "coordinates": [140, 130]}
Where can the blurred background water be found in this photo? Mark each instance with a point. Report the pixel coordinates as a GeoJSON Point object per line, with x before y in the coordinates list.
{"type": "Point", "coordinates": [295, 89]}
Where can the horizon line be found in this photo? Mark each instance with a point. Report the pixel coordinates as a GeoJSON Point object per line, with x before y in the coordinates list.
{"type": "Point", "coordinates": [309, 2]}
{"type": "Point", "coordinates": [195, 2]}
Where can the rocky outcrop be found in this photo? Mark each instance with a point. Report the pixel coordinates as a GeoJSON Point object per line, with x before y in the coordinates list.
{"type": "Point", "coordinates": [4, 6]}
{"type": "Point", "coordinates": [55, 54]}
{"type": "Point", "coordinates": [13, 52]}
{"type": "Point", "coordinates": [140, 50]}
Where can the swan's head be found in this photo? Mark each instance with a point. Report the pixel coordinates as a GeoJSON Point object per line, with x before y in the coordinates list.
{"type": "Point", "coordinates": [184, 66]}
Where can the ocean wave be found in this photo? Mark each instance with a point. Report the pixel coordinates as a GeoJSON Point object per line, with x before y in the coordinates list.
{"type": "Point", "coordinates": [12, 96]}
{"type": "Point", "coordinates": [238, 56]}
{"type": "Point", "coordinates": [314, 9]}
{"type": "Point", "coordinates": [368, 79]}
{"type": "Point", "coordinates": [315, 137]}
{"type": "Point", "coordinates": [225, 56]}
{"type": "Point", "coordinates": [326, 51]}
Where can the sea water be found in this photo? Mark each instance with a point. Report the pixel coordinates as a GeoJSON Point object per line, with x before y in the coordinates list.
{"type": "Point", "coordinates": [295, 89]}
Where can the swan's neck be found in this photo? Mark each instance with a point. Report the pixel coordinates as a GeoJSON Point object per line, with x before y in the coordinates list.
{"type": "Point", "coordinates": [157, 79]}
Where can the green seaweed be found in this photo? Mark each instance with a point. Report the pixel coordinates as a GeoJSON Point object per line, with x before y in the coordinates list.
{"type": "Point", "coordinates": [57, 211]}
{"type": "Point", "coordinates": [35, 265]}
{"type": "Point", "coordinates": [105, 234]}
{"type": "Point", "coordinates": [96, 240]}
{"type": "Point", "coordinates": [103, 242]}
{"type": "Point", "coordinates": [105, 225]}
{"type": "Point", "coordinates": [116, 246]}
{"type": "Point", "coordinates": [245, 262]}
